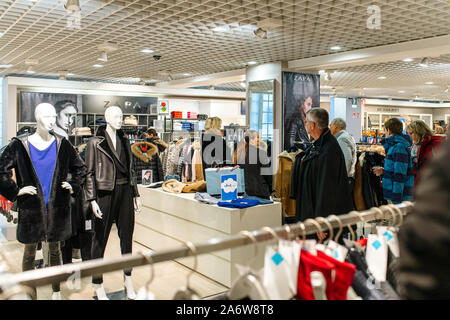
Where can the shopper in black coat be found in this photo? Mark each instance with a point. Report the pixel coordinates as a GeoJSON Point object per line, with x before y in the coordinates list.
{"type": "Point", "coordinates": [251, 155]}
{"type": "Point", "coordinates": [424, 237]}
{"type": "Point", "coordinates": [319, 179]}
{"type": "Point", "coordinates": [215, 152]}
{"type": "Point", "coordinates": [36, 223]}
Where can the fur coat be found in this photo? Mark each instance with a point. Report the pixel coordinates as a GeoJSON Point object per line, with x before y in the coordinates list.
{"type": "Point", "coordinates": [145, 157]}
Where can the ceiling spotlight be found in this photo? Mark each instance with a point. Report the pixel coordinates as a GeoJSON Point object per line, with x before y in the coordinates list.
{"type": "Point", "coordinates": [103, 57]}
{"type": "Point", "coordinates": [222, 29]}
{"type": "Point", "coordinates": [408, 60]}
{"type": "Point", "coordinates": [260, 33]}
{"type": "Point", "coordinates": [243, 84]}
{"type": "Point", "coordinates": [251, 63]}
{"type": "Point", "coordinates": [335, 48]}
{"type": "Point", "coordinates": [429, 82]}
{"type": "Point", "coordinates": [1, 34]}
{"type": "Point", "coordinates": [30, 70]}
{"type": "Point", "coordinates": [446, 90]}
{"type": "Point", "coordinates": [70, 74]}
{"type": "Point", "coordinates": [147, 51]}
{"type": "Point", "coordinates": [401, 91]}
{"type": "Point", "coordinates": [98, 66]}
{"type": "Point", "coordinates": [382, 78]}
{"type": "Point", "coordinates": [424, 63]}
{"type": "Point", "coordinates": [73, 6]}
{"type": "Point", "coordinates": [187, 74]}
{"type": "Point", "coordinates": [5, 66]}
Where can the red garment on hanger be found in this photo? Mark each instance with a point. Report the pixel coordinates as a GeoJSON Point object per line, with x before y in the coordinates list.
{"type": "Point", "coordinates": [343, 279]}
{"type": "Point", "coordinates": [362, 242]}
{"type": "Point", "coordinates": [309, 263]}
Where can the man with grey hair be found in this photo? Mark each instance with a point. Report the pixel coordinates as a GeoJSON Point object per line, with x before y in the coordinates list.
{"type": "Point", "coordinates": [319, 178]}
{"type": "Point", "coordinates": [348, 146]}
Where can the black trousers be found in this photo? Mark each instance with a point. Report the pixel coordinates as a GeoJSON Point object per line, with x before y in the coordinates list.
{"type": "Point", "coordinates": [117, 206]}
{"type": "Point", "coordinates": [82, 241]}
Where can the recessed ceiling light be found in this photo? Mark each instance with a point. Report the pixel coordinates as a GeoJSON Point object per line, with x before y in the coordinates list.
{"type": "Point", "coordinates": [382, 78]}
{"type": "Point", "coordinates": [401, 91]}
{"type": "Point", "coordinates": [5, 66]}
{"type": "Point", "coordinates": [103, 57]}
{"type": "Point", "coordinates": [408, 60]}
{"type": "Point", "coordinates": [186, 74]}
{"type": "Point", "coordinates": [221, 29]}
{"type": "Point", "coordinates": [260, 33]}
{"type": "Point", "coordinates": [429, 82]}
{"type": "Point", "coordinates": [1, 34]}
{"type": "Point", "coordinates": [30, 70]}
{"type": "Point", "coordinates": [335, 48]}
{"type": "Point", "coordinates": [250, 63]}
{"type": "Point", "coordinates": [98, 66]}
{"type": "Point", "coordinates": [71, 74]}
{"type": "Point", "coordinates": [147, 51]}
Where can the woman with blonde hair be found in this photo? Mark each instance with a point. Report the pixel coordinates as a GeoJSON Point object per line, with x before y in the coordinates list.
{"type": "Point", "coordinates": [215, 152]}
{"type": "Point", "coordinates": [424, 145]}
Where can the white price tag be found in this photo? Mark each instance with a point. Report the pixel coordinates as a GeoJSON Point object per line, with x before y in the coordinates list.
{"type": "Point", "coordinates": [88, 225]}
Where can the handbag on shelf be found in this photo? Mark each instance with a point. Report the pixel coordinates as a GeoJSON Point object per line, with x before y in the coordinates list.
{"type": "Point", "coordinates": [213, 179]}
{"type": "Point", "coordinates": [130, 121]}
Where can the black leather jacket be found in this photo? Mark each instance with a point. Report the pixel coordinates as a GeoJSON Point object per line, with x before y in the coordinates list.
{"type": "Point", "coordinates": [295, 131]}
{"type": "Point", "coordinates": [100, 165]}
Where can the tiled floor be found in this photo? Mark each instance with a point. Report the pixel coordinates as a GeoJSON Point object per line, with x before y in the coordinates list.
{"type": "Point", "coordinates": [169, 276]}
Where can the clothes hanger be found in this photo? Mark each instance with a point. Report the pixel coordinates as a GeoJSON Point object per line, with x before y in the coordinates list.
{"type": "Point", "coordinates": [336, 238]}
{"type": "Point", "coordinates": [288, 231]}
{"type": "Point", "coordinates": [302, 226]}
{"type": "Point", "coordinates": [400, 214]}
{"type": "Point", "coordinates": [187, 293]}
{"type": "Point", "coordinates": [273, 233]}
{"type": "Point", "coordinates": [318, 285]}
{"type": "Point", "coordinates": [248, 285]}
{"type": "Point", "coordinates": [390, 212]}
{"type": "Point", "coordinates": [145, 293]}
{"type": "Point", "coordinates": [360, 218]}
{"type": "Point", "coordinates": [317, 225]}
{"type": "Point", "coordinates": [330, 228]}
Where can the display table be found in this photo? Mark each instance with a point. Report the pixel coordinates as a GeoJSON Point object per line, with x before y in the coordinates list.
{"type": "Point", "coordinates": [168, 220]}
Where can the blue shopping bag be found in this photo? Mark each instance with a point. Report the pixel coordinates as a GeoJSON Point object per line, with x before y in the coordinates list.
{"type": "Point", "coordinates": [213, 177]}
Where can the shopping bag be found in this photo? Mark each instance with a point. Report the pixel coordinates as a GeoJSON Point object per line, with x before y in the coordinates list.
{"type": "Point", "coordinates": [376, 256]}
{"type": "Point", "coordinates": [276, 279]}
{"type": "Point", "coordinates": [213, 179]}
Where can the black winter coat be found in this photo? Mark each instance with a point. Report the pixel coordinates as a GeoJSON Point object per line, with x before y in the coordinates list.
{"type": "Point", "coordinates": [424, 237]}
{"type": "Point", "coordinates": [256, 184]}
{"type": "Point", "coordinates": [35, 222]}
{"type": "Point", "coordinates": [145, 157]}
{"type": "Point", "coordinates": [319, 180]}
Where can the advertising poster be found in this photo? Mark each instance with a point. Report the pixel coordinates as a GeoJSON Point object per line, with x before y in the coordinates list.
{"type": "Point", "coordinates": [301, 92]}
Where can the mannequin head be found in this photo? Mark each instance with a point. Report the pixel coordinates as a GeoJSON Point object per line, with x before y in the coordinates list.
{"type": "Point", "coordinates": [64, 110]}
{"type": "Point", "coordinates": [45, 115]}
{"type": "Point", "coordinates": [114, 117]}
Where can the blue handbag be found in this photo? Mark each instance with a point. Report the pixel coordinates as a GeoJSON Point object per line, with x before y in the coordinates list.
{"type": "Point", "coordinates": [213, 179]}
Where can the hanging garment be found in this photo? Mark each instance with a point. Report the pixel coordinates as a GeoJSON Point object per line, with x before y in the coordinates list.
{"type": "Point", "coordinates": [309, 263]}
{"type": "Point", "coordinates": [283, 180]}
{"type": "Point", "coordinates": [145, 157]}
{"type": "Point", "coordinates": [371, 184]}
{"type": "Point", "coordinates": [427, 148]}
{"type": "Point", "coordinates": [197, 167]}
{"type": "Point", "coordinates": [358, 196]}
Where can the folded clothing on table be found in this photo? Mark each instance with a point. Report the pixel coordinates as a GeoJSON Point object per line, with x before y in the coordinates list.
{"type": "Point", "coordinates": [204, 197]}
{"type": "Point", "coordinates": [238, 203]}
{"type": "Point", "coordinates": [175, 186]}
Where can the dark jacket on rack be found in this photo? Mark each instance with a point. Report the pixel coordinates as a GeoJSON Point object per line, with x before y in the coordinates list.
{"type": "Point", "coordinates": [36, 222]}
{"type": "Point", "coordinates": [371, 184]}
{"type": "Point", "coordinates": [253, 162]}
{"type": "Point", "coordinates": [215, 152]}
{"type": "Point", "coordinates": [424, 237]}
{"type": "Point", "coordinates": [162, 146]}
{"type": "Point", "coordinates": [319, 180]}
{"type": "Point", "coordinates": [145, 157]}
{"type": "Point", "coordinates": [101, 167]}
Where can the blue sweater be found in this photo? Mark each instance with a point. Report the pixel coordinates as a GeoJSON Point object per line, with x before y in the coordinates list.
{"type": "Point", "coordinates": [398, 177]}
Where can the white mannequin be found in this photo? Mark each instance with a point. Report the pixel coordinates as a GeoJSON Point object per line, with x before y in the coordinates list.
{"type": "Point", "coordinates": [45, 115]}
{"type": "Point", "coordinates": [114, 119]}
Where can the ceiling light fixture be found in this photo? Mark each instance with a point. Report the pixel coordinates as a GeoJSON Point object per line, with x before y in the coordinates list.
{"type": "Point", "coordinates": [70, 74]}
{"type": "Point", "coordinates": [382, 78]}
{"type": "Point", "coordinates": [98, 66]}
{"type": "Point", "coordinates": [408, 60]}
{"type": "Point", "coordinates": [424, 63]}
{"type": "Point", "coordinates": [446, 90]}
{"type": "Point", "coordinates": [5, 66]}
{"type": "Point", "coordinates": [103, 57]}
{"type": "Point", "coordinates": [147, 51]}
{"type": "Point", "coordinates": [73, 6]}
{"type": "Point", "coordinates": [187, 74]}
{"type": "Point", "coordinates": [335, 48]}
{"type": "Point", "coordinates": [251, 63]}
{"type": "Point", "coordinates": [142, 82]}
{"type": "Point", "coordinates": [243, 84]}
{"type": "Point", "coordinates": [429, 82]}
{"type": "Point", "coordinates": [260, 33]}
{"type": "Point", "coordinates": [221, 29]}
{"type": "Point", "coordinates": [30, 70]}
{"type": "Point", "coordinates": [1, 34]}
{"type": "Point", "coordinates": [401, 91]}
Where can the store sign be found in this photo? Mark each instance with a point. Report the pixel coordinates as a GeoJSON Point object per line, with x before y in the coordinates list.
{"type": "Point", "coordinates": [388, 110]}
{"type": "Point", "coordinates": [163, 107]}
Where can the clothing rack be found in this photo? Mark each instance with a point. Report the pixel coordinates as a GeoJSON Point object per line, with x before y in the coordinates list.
{"type": "Point", "coordinates": [57, 274]}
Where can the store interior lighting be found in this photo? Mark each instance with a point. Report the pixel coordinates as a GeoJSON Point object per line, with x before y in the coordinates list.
{"type": "Point", "coordinates": [73, 6]}
{"type": "Point", "coordinates": [5, 66]}
{"type": "Point", "coordinates": [260, 33]}
{"type": "Point", "coordinates": [424, 63]}
{"type": "Point", "coordinates": [103, 57]}
{"type": "Point", "coordinates": [30, 70]}
{"type": "Point", "coordinates": [408, 60]}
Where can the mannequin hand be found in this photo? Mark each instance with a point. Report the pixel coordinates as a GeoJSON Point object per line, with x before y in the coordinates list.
{"type": "Point", "coordinates": [96, 209]}
{"type": "Point", "coordinates": [137, 205]}
{"type": "Point", "coordinates": [67, 186]}
{"type": "Point", "coordinates": [27, 190]}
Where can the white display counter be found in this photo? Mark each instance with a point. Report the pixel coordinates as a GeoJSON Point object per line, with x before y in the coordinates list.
{"type": "Point", "coordinates": [168, 220]}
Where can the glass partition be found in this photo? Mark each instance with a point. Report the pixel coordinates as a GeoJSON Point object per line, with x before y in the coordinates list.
{"type": "Point", "coordinates": [260, 107]}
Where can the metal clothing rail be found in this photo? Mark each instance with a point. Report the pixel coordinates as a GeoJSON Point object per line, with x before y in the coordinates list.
{"type": "Point", "coordinates": [57, 274]}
